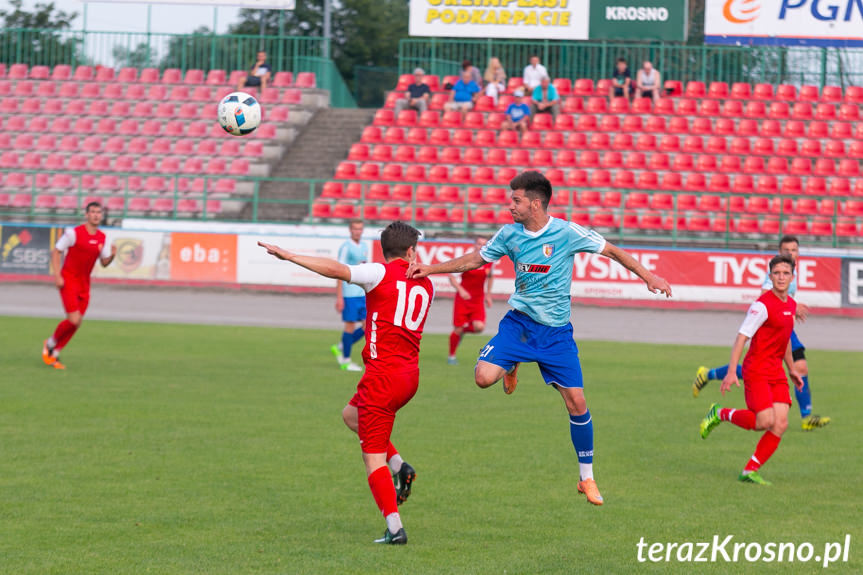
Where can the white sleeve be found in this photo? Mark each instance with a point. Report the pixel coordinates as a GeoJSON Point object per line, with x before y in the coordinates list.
{"type": "Point", "coordinates": [755, 318]}
{"type": "Point", "coordinates": [367, 276]}
{"type": "Point", "coordinates": [106, 250]}
{"type": "Point", "coordinates": [67, 240]}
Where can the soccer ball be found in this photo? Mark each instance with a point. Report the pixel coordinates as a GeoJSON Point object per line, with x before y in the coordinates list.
{"type": "Point", "coordinates": [239, 113]}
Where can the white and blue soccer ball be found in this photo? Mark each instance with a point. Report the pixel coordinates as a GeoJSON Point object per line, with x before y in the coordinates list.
{"type": "Point", "coordinates": [239, 113]}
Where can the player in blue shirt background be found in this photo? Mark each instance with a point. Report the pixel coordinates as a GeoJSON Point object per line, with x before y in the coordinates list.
{"type": "Point", "coordinates": [350, 298]}
{"type": "Point", "coordinates": [537, 329]}
{"type": "Point", "coordinates": [788, 246]}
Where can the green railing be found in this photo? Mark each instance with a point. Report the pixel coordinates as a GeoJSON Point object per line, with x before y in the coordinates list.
{"type": "Point", "coordinates": [184, 51]}
{"type": "Point", "coordinates": [595, 60]}
{"type": "Point", "coordinates": [247, 204]}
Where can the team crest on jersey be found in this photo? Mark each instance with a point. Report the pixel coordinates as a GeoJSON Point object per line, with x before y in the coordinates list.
{"type": "Point", "coordinates": [547, 250]}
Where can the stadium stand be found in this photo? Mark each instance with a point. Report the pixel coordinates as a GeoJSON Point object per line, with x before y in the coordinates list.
{"type": "Point", "coordinates": [156, 132]}
{"type": "Point", "coordinates": [713, 159]}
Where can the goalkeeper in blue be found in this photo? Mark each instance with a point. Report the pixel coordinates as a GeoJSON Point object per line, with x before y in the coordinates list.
{"type": "Point", "coordinates": [788, 246]}
{"type": "Point", "coordinates": [537, 328]}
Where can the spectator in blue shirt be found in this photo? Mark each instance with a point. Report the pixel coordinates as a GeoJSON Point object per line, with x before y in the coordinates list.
{"type": "Point", "coordinates": [464, 94]}
{"type": "Point", "coordinates": [545, 99]}
{"type": "Point", "coordinates": [517, 114]}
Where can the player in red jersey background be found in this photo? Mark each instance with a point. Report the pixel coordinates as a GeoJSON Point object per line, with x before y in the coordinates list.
{"type": "Point", "coordinates": [83, 246]}
{"type": "Point", "coordinates": [472, 296]}
{"type": "Point", "coordinates": [397, 308]}
{"type": "Point", "coordinates": [769, 322]}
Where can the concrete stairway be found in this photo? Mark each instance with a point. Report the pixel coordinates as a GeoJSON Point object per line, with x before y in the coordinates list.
{"type": "Point", "coordinates": [324, 142]}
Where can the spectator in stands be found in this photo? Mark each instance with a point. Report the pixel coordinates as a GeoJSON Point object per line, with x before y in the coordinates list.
{"type": "Point", "coordinates": [475, 75]}
{"type": "Point", "coordinates": [517, 114]}
{"type": "Point", "coordinates": [648, 82]}
{"type": "Point", "coordinates": [621, 81]}
{"type": "Point", "coordinates": [495, 79]}
{"type": "Point", "coordinates": [259, 75]}
{"type": "Point", "coordinates": [545, 99]}
{"type": "Point", "coordinates": [417, 95]}
{"type": "Point", "coordinates": [534, 73]}
{"type": "Point", "coordinates": [464, 94]}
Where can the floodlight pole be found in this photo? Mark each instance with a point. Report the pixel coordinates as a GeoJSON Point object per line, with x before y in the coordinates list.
{"type": "Point", "coordinates": [327, 25]}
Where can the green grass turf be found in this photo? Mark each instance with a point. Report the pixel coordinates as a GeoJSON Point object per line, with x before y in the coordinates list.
{"type": "Point", "coordinates": [189, 449]}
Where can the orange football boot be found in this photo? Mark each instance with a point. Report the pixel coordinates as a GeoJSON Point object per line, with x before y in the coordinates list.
{"type": "Point", "coordinates": [589, 488]}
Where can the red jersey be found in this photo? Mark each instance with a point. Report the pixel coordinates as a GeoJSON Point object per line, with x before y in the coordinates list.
{"type": "Point", "coordinates": [82, 250]}
{"type": "Point", "coordinates": [397, 310]}
{"type": "Point", "coordinates": [474, 282]}
{"type": "Point", "coordinates": [769, 323]}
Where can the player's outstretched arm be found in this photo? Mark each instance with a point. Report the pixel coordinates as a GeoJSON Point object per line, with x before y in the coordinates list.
{"type": "Point", "coordinates": [322, 266]}
{"type": "Point", "coordinates": [736, 352]}
{"type": "Point", "coordinates": [467, 262]}
{"type": "Point", "coordinates": [655, 284]}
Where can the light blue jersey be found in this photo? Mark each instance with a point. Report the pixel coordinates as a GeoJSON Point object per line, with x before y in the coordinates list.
{"type": "Point", "coordinates": [353, 254]}
{"type": "Point", "coordinates": [792, 289]}
{"type": "Point", "coordinates": [543, 265]}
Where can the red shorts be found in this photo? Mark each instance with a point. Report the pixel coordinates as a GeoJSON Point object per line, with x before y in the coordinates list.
{"type": "Point", "coordinates": [762, 392]}
{"type": "Point", "coordinates": [75, 295]}
{"type": "Point", "coordinates": [465, 313]}
{"type": "Point", "coordinates": [379, 396]}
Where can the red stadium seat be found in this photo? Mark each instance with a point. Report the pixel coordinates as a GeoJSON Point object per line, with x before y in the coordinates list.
{"type": "Point", "coordinates": [597, 105]}
{"type": "Point", "coordinates": [706, 163]}
{"type": "Point", "coordinates": [647, 181]}
{"type": "Point", "coordinates": [655, 124]}
{"type": "Point", "coordinates": [573, 106]}
{"type": "Point", "coordinates": [854, 94]}
{"type": "Point", "coordinates": [659, 161]}
{"type": "Point", "coordinates": [777, 166]}
{"type": "Point", "coordinates": [620, 106]}
{"type": "Point", "coordinates": [600, 179]}
{"type": "Point", "coordinates": [678, 125]}
{"type": "Point", "coordinates": [687, 107]}
{"type": "Point", "coordinates": [83, 74]}
{"type": "Point", "coordinates": [683, 163]}
{"type": "Point", "coordinates": [695, 89]}
{"type": "Point", "coordinates": [808, 93]}
{"type": "Point", "coordinates": [702, 126]}
{"type": "Point", "coordinates": [583, 87]}
{"type": "Point", "coordinates": [825, 111]}
{"type": "Point", "coordinates": [824, 167]}
{"type": "Point", "coordinates": [724, 127]}
{"type": "Point", "coordinates": [747, 127]}
{"type": "Point", "coordinates": [754, 165]}
{"type": "Point", "coordinates": [831, 94]}
{"type": "Point", "coordinates": [849, 112]}
{"type": "Point", "coordinates": [664, 106]}
{"type": "Point", "coordinates": [622, 141]}
{"type": "Point", "coordinates": [794, 129]}
{"type": "Point", "coordinates": [742, 184]}
{"type": "Point", "coordinates": [732, 108]}
{"type": "Point", "coordinates": [740, 146]}
{"type": "Point", "coordinates": [718, 90]}
{"type": "Point", "coordinates": [600, 141]}
{"type": "Point", "coordinates": [611, 160]}
{"type": "Point", "coordinates": [645, 143]}
{"type": "Point", "coordinates": [802, 111]}
{"type": "Point", "coordinates": [641, 106]}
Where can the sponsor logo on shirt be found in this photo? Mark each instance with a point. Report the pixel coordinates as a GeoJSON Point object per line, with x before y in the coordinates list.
{"type": "Point", "coordinates": [533, 268]}
{"type": "Point", "coordinates": [547, 250]}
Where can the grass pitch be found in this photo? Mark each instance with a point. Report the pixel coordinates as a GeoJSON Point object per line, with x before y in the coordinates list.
{"type": "Point", "coordinates": [188, 449]}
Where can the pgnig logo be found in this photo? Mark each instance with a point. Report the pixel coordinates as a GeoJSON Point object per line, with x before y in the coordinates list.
{"type": "Point", "coordinates": [741, 11]}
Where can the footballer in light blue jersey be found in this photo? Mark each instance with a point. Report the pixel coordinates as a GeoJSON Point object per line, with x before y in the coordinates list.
{"type": "Point", "coordinates": [788, 246]}
{"type": "Point", "coordinates": [537, 329]}
{"type": "Point", "coordinates": [350, 298]}
{"type": "Point", "coordinates": [543, 265]}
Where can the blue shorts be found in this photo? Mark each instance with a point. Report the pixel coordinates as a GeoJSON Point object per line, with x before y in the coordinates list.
{"type": "Point", "coordinates": [355, 309]}
{"type": "Point", "coordinates": [795, 342]}
{"type": "Point", "coordinates": [519, 339]}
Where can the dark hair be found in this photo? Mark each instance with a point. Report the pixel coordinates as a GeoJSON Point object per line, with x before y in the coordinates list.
{"type": "Point", "coordinates": [92, 205]}
{"type": "Point", "coordinates": [781, 260]}
{"type": "Point", "coordinates": [465, 64]}
{"type": "Point", "coordinates": [397, 238]}
{"type": "Point", "coordinates": [621, 60]}
{"type": "Point", "coordinates": [535, 186]}
{"type": "Point", "coordinates": [789, 240]}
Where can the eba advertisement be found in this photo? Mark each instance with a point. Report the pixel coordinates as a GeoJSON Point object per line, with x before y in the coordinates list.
{"type": "Point", "coordinates": [784, 22]}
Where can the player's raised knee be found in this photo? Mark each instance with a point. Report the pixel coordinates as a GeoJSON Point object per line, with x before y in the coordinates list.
{"type": "Point", "coordinates": [484, 377]}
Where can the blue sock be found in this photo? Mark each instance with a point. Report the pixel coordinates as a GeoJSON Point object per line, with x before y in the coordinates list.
{"type": "Point", "coordinates": [721, 372]}
{"type": "Point", "coordinates": [581, 431]}
{"type": "Point", "coordinates": [347, 342]}
{"type": "Point", "coordinates": [358, 334]}
{"type": "Point", "coordinates": [804, 398]}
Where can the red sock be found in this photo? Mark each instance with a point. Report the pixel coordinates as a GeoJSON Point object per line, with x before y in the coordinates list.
{"type": "Point", "coordinates": [383, 490]}
{"type": "Point", "coordinates": [391, 450]}
{"type": "Point", "coordinates": [64, 332]}
{"type": "Point", "coordinates": [740, 417]}
{"type": "Point", "coordinates": [765, 448]}
{"type": "Point", "coordinates": [454, 340]}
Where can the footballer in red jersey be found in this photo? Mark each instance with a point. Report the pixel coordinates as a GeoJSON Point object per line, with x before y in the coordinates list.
{"type": "Point", "coordinates": [83, 246]}
{"type": "Point", "coordinates": [397, 308]}
{"type": "Point", "coordinates": [769, 323]}
{"type": "Point", "coordinates": [472, 296]}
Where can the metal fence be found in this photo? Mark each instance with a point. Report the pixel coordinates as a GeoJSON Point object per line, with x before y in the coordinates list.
{"type": "Point", "coordinates": [595, 60]}
{"type": "Point", "coordinates": [247, 205]}
{"type": "Point", "coordinates": [184, 51]}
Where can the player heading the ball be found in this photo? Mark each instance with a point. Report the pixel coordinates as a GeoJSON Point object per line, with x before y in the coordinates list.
{"type": "Point", "coordinates": [537, 329]}
{"type": "Point", "coordinates": [397, 310]}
